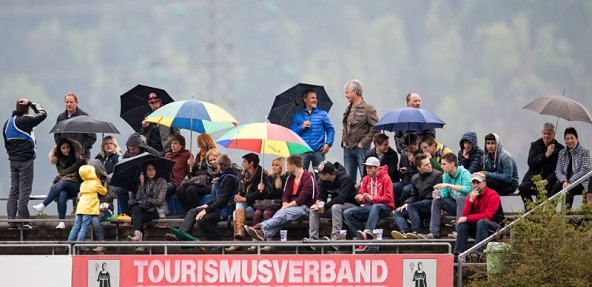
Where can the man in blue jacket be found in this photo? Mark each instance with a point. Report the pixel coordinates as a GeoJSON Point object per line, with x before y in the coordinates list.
{"type": "Point", "coordinates": [315, 128]}
{"type": "Point", "coordinates": [20, 144]}
{"type": "Point", "coordinates": [499, 167]}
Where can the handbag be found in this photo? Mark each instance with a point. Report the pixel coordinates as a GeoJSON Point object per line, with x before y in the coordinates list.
{"type": "Point", "coordinates": [199, 180]}
{"type": "Point", "coordinates": [268, 204]}
{"type": "Point", "coordinates": [145, 204]}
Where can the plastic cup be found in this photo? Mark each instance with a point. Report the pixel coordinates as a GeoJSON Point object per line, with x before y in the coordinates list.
{"type": "Point", "coordinates": [377, 234]}
{"type": "Point", "coordinates": [321, 206]}
{"type": "Point", "coordinates": [284, 235]}
{"type": "Point", "coordinates": [438, 193]}
{"type": "Point", "coordinates": [342, 234]}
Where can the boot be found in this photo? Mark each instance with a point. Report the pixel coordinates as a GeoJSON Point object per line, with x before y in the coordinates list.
{"type": "Point", "coordinates": [239, 224]}
{"type": "Point", "coordinates": [137, 236]}
{"type": "Point", "coordinates": [589, 198]}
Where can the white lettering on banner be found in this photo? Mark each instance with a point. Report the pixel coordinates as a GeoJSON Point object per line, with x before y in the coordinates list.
{"type": "Point", "coordinates": [262, 271]}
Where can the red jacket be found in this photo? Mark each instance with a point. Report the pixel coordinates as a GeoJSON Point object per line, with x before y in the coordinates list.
{"type": "Point", "coordinates": [380, 188]}
{"type": "Point", "coordinates": [487, 206]}
{"type": "Point", "coordinates": [181, 168]}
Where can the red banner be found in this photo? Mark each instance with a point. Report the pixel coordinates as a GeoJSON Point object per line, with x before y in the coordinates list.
{"type": "Point", "coordinates": [264, 270]}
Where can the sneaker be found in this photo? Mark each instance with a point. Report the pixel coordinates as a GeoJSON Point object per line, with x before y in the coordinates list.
{"type": "Point", "coordinates": [362, 248]}
{"type": "Point", "coordinates": [84, 249]}
{"type": "Point", "coordinates": [311, 247]}
{"type": "Point", "coordinates": [430, 236]}
{"type": "Point", "coordinates": [162, 225]}
{"type": "Point", "coordinates": [61, 225]}
{"type": "Point", "coordinates": [452, 235]}
{"type": "Point", "coordinates": [170, 237]}
{"type": "Point", "coordinates": [267, 248]}
{"type": "Point", "coordinates": [39, 207]}
{"type": "Point", "coordinates": [411, 235]}
{"type": "Point", "coordinates": [419, 235]}
{"type": "Point", "coordinates": [140, 249]}
{"type": "Point", "coordinates": [452, 223]}
{"type": "Point", "coordinates": [476, 258]}
{"type": "Point", "coordinates": [256, 234]}
{"type": "Point", "coordinates": [13, 227]}
{"type": "Point", "coordinates": [99, 249]}
{"type": "Point", "coordinates": [398, 235]}
{"type": "Point", "coordinates": [335, 248]}
{"type": "Point", "coordinates": [365, 235]}
{"type": "Point", "coordinates": [27, 226]}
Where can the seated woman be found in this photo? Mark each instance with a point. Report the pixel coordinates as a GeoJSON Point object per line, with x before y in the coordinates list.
{"type": "Point", "coordinates": [198, 183]}
{"type": "Point", "coordinates": [68, 157]}
{"type": "Point", "coordinates": [180, 170]}
{"type": "Point", "coordinates": [573, 163]}
{"type": "Point", "coordinates": [150, 201]}
{"type": "Point", "coordinates": [109, 156]}
{"type": "Point", "coordinates": [208, 215]}
{"type": "Point", "coordinates": [247, 194]}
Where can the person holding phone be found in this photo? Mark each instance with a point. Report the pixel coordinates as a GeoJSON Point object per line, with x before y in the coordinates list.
{"type": "Point", "coordinates": [482, 215]}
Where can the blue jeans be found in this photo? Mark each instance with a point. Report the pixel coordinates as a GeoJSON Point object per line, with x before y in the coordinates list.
{"type": "Point", "coordinates": [401, 192]}
{"type": "Point", "coordinates": [415, 212]}
{"type": "Point", "coordinates": [480, 230]}
{"type": "Point", "coordinates": [61, 191]}
{"type": "Point", "coordinates": [123, 197]}
{"type": "Point", "coordinates": [81, 224]}
{"type": "Point", "coordinates": [282, 217]}
{"type": "Point", "coordinates": [243, 205]}
{"type": "Point", "coordinates": [450, 205]}
{"type": "Point", "coordinates": [98, 231]}
{"type": "Point", "coordinates": [316, 157]}
{"type": "Point", "coordinates": [369, 213]}
{"type": "Point", "coordinates": [353, 158]}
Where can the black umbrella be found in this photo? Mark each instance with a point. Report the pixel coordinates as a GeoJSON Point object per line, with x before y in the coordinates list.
{"type": "Point", "coordinates": [134, 104]}
{"type": "Point", "coordinates": [84, 124]}
{"type": "Point", "coordinates": [127, 170]}
{"type": "Point", "coordinates": [290, 102]}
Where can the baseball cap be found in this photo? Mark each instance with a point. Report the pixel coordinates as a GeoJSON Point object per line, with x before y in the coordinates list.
{"type": "Point", "coordinates": [153, 97]}
{"type": "Point", "coordinates": [325, 167]}
{"type": "Point", "coordinates": [480, 177]}
{"type": "Point", "coordinates": [372, 161]}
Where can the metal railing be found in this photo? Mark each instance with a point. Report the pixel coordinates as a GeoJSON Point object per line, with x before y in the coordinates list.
{"type": "Point", "coordinates": [52, 245]}
{"type": "Point", "coordinates": [501, 231]}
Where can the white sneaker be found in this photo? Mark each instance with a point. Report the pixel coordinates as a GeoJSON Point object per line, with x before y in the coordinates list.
{"type": "Point", "coordinates": [39, 207]}
{"type": "Point", "coordinates": [61, 225]}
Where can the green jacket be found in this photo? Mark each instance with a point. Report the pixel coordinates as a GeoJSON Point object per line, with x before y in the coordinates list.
{"type": "Point", "coordinates": [462, 178]}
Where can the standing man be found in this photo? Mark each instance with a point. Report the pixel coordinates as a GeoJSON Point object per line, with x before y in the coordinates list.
{"type": "Point", "coordinates": [482, 215]}
{"type": "Point", "coordinates": [455, 186]}
{"type": "Point", "coordinates": [470, 155]}
{"type": "Point", "coordinates": [20, 144]}
{"type": "Point", "coordinates": [72, 110]}
{"type": "Point", "coordinates": [499, 167]}
{"type": "Point", "coordinates": [376, 197]}
{"type": "Point", "coordinates": [315, 128]}
{"type": "Point", "coordinates": [157, 136]}
{"type": "Point", "coordinates": [542, 160]}
{"type": "Point", "coordinates": [337, 184]}
{"type": "Point", "coordinates": [413, 101]}
{"type": "Point", "coordinates": [300, 193]}
{"type": "Point", "coordinates": [358, 120]}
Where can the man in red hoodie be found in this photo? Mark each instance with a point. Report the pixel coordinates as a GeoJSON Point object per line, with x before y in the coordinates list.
{"type": "Point", "coordinates": [483, 213]}
{"type": "Point", "coordinates": [376, 199]}
{"type": "Point", "coordinates": [300, 192]}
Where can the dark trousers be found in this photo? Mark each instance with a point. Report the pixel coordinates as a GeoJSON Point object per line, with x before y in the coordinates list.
{"type": "Point", "coordinates": [21, 182]}
{"type": "Point", "coordinates": [569, 198]}
{"type": "Point", "coordinates": [140, 216]}
{"type": "Point", "coordinates": [190, 196]}
{"type": "Point", "coordinates": [480, 230]}
{"type": "Point", "coordinates": [527, 190]}
{"type": "Point", "coordinates": [207, 224]}
{"type": "Point", "coordinates": [501, 188]}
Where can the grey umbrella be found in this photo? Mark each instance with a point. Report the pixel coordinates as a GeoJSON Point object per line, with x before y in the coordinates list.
{"type": "Point", "coordinates": [84, 124]}
{"type": "Point", "coordinates": [561, 107]}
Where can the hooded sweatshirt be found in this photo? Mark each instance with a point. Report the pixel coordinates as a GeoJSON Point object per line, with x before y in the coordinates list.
{"type": "Point", "coordinates": [475, 161]}
{"type": "Point", "coordinates": [462, 177]}
{"type": "Point", "coordinates": [500, 165]}
{"type": "Point", "coordinates": [136, 140]}
{"type": "Point", "coordinates": [91, 187]}
{"type": "Point", "coordinates": [380, 188]}
{"type": "Point", "coordinates": [306, 192]}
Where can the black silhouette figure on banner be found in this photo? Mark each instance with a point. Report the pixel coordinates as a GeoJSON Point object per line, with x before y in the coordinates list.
{"type": "Point", "coordinates": [419, 276]}
{"type": "Point", "coordinates": [104, 278]}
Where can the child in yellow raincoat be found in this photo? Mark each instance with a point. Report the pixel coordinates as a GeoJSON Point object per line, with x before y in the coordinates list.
{"type": "Point", "coordinates": [88, 202]}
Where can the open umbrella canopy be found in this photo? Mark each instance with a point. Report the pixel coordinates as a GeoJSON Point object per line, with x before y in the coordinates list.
{"type": "Point", "coordinates": [198, 116]}
{"type": "Point", "coordinates": [264, 138]}
{"type": "Point", "coordinates": [134, 104]}
{"type": "Point", "coordinates": [127, 170]}
{"type": "Point", "coordinates": [409, 119]}
{"type": "Point", "coordinates": [290, 102]}
{"type": "Point", "coordinates": [84, 124]}
{"type": "Point", "coordinates": [561, 107]}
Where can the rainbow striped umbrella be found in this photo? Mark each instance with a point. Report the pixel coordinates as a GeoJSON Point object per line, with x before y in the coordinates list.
{"type": "Point", "coordinates": [193, 115]}
{"type": "Point", "coordinates": [264, 138]}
